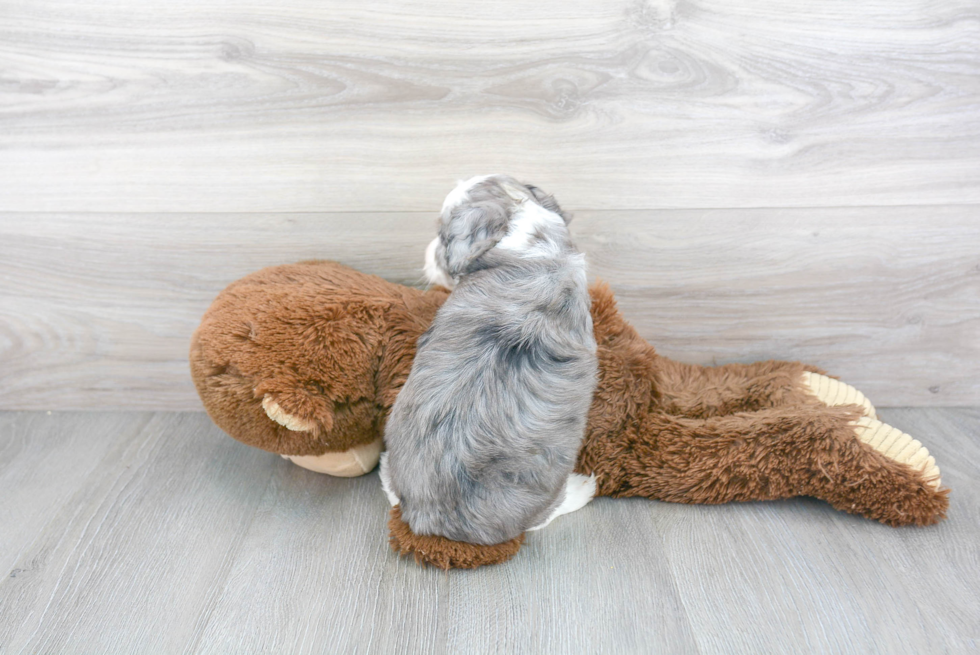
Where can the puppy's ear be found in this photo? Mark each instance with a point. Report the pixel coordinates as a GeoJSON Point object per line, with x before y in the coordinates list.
{"type": "Point", "coordinates": [548, 202]}
{"type": "Point", "coordinates": [470, 232]}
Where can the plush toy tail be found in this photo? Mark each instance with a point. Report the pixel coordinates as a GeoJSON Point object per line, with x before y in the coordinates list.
{"type": "Point", "coordinates": [446, 553]}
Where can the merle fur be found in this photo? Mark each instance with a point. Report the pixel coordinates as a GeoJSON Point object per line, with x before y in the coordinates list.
{"type": "Point", "coordinates": [485, 432]}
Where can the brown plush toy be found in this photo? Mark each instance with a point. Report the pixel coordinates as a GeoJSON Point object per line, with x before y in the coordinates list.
{"type": "Point", "coordinates": [305, 361]}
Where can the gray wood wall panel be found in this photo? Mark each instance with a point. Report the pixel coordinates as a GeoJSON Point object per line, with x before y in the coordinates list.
{"type": "Point", "coordinates": [96, 310]}
{"type": "Point", "coordinates": [175, 538]}
{"type": "Point", "coordinates": [328, 106]}
{"type": "Point", "coordinates": [152, 153]}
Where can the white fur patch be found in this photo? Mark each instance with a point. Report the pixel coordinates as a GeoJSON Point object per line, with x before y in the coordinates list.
{"type": "Point", "coordinates": [527, 220]}
{"type": "Point", "coordinates": [386, 481]}
{"type": "Point", "coordinates": [460, 194]}
{"type": "Point", "coordinates": [431, 270]}
{"type": "Point", "coordinates": [579, 490]}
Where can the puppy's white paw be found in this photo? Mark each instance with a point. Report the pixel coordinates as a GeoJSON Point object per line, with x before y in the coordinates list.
{"type": "Point", "coordinates": [386, 481]}
{"type": "Point", "coordinates": [276, 413]}
{"type": "Point", "coordinates": [579, 490]}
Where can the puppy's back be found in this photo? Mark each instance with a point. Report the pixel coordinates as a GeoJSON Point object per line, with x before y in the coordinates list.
{"type": "Point", "coordinates": [487, 428]}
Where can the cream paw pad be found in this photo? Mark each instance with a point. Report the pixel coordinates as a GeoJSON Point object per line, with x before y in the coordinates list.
{"type": "Point", "coordinates": [276, 413]}
{"type": "Point", "coordinates": [345, 464]}
{"type": "Point", "coordinates": [898, 446]}
{"type": "Point", "coordinates": [834, 392]}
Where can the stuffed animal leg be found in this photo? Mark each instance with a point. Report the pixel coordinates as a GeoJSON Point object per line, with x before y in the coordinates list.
{"type": "Point", "coordinates": [771, 454]}
{"type": "Point", "coordinates": [692, 434]}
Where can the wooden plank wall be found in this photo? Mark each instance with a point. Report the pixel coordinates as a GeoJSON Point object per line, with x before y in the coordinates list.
{"type": "Point", "coordinates": [756, 180]}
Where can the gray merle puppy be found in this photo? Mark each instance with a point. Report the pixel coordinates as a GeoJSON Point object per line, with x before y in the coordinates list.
{"type": "Point", "coordinates": [483, 437]}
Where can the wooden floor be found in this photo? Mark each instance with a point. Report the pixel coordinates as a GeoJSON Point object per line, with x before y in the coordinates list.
{"type": "Point", "coordinates": [156, 533]}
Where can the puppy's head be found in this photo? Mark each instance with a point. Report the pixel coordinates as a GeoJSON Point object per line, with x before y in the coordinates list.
{"type": "Point", "coordinates": [493, 212]}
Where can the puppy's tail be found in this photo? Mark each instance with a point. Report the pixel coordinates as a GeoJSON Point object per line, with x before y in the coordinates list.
{"type": "Point", "coordinates": [446, 553]}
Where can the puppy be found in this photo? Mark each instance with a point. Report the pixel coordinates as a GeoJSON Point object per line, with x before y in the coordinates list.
{"type": "Point", "coordinates": [482, 439]}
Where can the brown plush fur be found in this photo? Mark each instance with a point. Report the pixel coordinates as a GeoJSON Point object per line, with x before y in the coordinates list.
{"type": "Point", "coordinates": [333, 346]}
{"type": "Point", "coordinates": [446, 553]}
{"type": "Point", "coordinates": [328, 344]}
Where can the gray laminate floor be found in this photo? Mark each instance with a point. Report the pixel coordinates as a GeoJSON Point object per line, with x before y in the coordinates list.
{"type": "Point", "coordinates": [156, 533]}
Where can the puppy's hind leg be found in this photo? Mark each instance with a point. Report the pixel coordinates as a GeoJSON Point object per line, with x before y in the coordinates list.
{"type": "Point", "coordinates": [579, 490]}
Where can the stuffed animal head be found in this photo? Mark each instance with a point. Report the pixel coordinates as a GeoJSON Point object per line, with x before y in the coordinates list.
{"type": "Point", "coordinates": [306, 360]}
{"type": "Point", "coordinates": [490, 216]}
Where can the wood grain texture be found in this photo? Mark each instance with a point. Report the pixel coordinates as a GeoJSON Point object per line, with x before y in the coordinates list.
{"type": "Point", "coordinates": [171, 537]}
{"type": "Point", "coordinates": [331, 106]}
{"type": "Point", "coordinates": [96, 310]}
{"type": "Point", "coordinates": [316, 575]}
{"type": "Point", "coordinates": [44, 461]}
{"type": "Point", "coordinates": [133, 560]}
{"type": "Point", "coordinates": [598, 581]}
{"type": "Point", "coordinates": [806, 574]}
{"type": "Point", "coordinates": [888, 298]}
